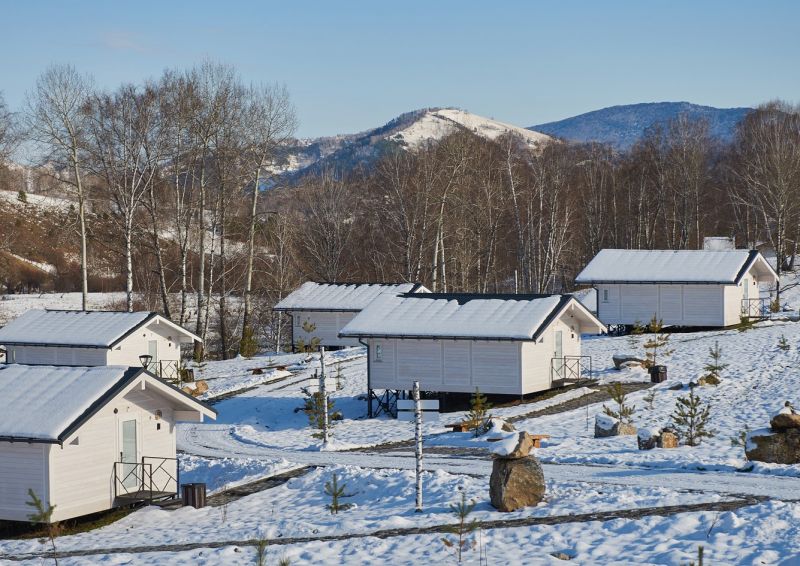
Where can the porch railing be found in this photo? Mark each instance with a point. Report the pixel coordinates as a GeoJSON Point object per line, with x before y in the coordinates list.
{"type": "Point", "coordinates": [169, 370]}
{"type": "Point", "coordinates": [570, 369]}
{"type": "Point", "coordinates": [756, 308]}
{"type": "Point", "coordinates": [151, 479]}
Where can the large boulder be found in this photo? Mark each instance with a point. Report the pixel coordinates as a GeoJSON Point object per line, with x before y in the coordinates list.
{"type": "Point", "coordinates": [647, 438]}
{"type": "Point", "coordinates": [605, 426]}
{"type": "Point", "coordinates": [764, 445]}
{"type": "Point", "coordinates": [514, 446]}
{"type": "Point", "coordinates": [626, 361]}
{"type": "Point", "coordinates": [784, 421]}
{"type": "Point", "coordinates": [516, 483]}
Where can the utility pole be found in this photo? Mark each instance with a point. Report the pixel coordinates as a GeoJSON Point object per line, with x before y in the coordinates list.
{"type": "Point", "coordinates": [324, 394]}
{"type": "Point", "coordinates": [418, 450]}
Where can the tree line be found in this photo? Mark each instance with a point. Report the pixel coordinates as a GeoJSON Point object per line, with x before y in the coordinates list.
{"type": "Point", "coordinates": [183, 168]}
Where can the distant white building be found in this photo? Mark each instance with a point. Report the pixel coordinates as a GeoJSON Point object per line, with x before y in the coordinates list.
{"type": "Point", "coordinates": [326, 308]}
{"type": "Point", "coordinates": [87, 439]}
{"type": "Point", "coordinates": [501, 344]}
{"type": "Point", "coordinates": [681, 288]}
{"type": "Point", "coordinates": [96, 338]}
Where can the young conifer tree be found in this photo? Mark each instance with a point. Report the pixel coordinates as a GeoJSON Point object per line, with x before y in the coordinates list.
{"type": "Point", "coordinates": [657, 344]}
{"type": "Point", "coordinates": [478, 416]}
{"type": "Point", "coordinates": [336, 493]}
{"type": "Point", "coordinates": [691, 419]}
{"type": "Point", "coordinates": [462, 529]}
{"type": "Point", "coordinates": [714, 367]}
{"type": "Point", "coordinates": [623, 413]}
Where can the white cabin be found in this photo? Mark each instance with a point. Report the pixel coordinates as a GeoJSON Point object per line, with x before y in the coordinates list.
{"type": "Point", "coordinates": [449, 342]}
{"type": "Point", "coordinates": [326, 308]}
{"type": "Point", "coordinates": [87, 439]}
{"type": "Point", "coordinates": [96, 338]}
{"type": "Point", "coordinates": [681, 288]}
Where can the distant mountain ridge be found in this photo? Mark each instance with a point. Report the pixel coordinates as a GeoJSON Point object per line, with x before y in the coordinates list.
{"type": "Point", "coordinates": [410, 130]}
{"type": "Point", "coordinates": [622, 126]}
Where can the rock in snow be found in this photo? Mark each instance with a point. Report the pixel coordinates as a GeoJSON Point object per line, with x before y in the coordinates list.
{"type": "Point", "coordinates": [516, 483]}
{"type": "Point", "coordinates": [763, 445]}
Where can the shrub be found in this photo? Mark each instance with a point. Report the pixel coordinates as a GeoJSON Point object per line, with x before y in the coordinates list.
{"type": "Point", "coordinates": [462, 529]}
{"type": "Point", "coordinates": [656, 344]}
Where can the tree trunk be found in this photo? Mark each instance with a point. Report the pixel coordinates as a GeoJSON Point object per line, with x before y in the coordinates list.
{"type": "Point", "coordinates": [248, 282]}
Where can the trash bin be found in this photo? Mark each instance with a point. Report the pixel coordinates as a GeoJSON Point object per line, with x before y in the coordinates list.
{"type": "Point", "coordinates": [194, 494]}
{"type": "Point", "coordinates": [658, 374]}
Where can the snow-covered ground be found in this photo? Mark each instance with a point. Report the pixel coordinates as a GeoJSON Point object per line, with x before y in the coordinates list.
{"type": "Point", "coordinates": [261, 431]}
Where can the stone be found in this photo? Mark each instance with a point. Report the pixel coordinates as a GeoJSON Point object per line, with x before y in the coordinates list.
{"type": "Point", "coordinates": [784, 421]}
{"type": "Point", "coordinates": [764, 445]}
{"type": "Point", "coordinates": [197, 388]}
{"type": "Point", "coordinates": [523, 447]}
{"type": "Point", "coordinates": [676, 387]}
{"type": "Point", "coordinates": [515, 484]}
{"type": "Point", "coordinates": [708, 380]}
{"type": "Point", "coordinates": [647, 439]}
{"type": "Point", "coordinates": [561, 555]}
{"type": "Point", "coordinates": [257, 371]}
{"type": "Point", "coordinates": [667, 439]}
{"type": "Point", "coordinates": [605, 426]}
{"type": "Point", "coordinates": [627, 360]}
{"type": "Point", "coordinates": [626, 429]}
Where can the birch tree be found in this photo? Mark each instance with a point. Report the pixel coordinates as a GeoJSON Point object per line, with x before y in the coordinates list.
{"type": "Point", "coordinates": [57, 120]}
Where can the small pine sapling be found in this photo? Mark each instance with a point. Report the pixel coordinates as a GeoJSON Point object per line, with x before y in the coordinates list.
{"type": "Point", "coordinates": [745, 323]}
{"type": "Point", "coordinates": [714, 367]}
{"type": "Point", "coordinates": [339, 385]}
{"type": "Point", "coordinates": [478, 417]}
{"type": "Point", "coordinates": [691, 419]}
{"type": "Point", "coordinates": [261, 552]}
{"type": "Point", "coordinates": [656, 344]}
{"type": "Point", "coordinates": [248, 346]}
{"type": "Point", "coordinates": [43, 515]}
{"type": "Point", "coordinates": [22, 196]}
{"type": "Point", "coordinates": [314, 407]}
{"type": "Point", "coordinates": [462, 529]}
{"type": "Point", "coordinates": [623, 413]}
{"type": "Point", "coordinates": [783, 343]}
{"type": "Point", "coordinates": [699, 557]}
{"type": "Point", "coordinates": [741, 439]}
{"type": "Point", "coordinates": [650, 398]}
{"type": "Point", "coordinates": [336, 492]}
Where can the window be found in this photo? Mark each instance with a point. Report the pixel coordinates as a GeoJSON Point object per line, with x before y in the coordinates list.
{"type": "Point", "coordinates": [378, 352]}
{"type": "Point", "coordinates": [605, 295]}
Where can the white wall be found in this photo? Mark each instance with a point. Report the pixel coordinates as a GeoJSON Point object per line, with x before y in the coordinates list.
{"type": "Point", "coordinates": [537, 357]}
{"type": "Point", "coordinates": [127, 352]}
{"type": "Point", "coordinates": [82, 472]}
{"type": "Point", "coordinates": [22, 466]}
{"type": "Point", "coordinates": [683, 305]}
{"type": "Point", "coordinates": [328, 325]}
{"type": "Point", "coordinates": [446, 365]}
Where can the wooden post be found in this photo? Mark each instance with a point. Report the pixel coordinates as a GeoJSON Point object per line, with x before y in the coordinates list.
{"type": "Point", "coordinates": [324, 394]}
{"type": "Point", "coordinates": [418, 450]}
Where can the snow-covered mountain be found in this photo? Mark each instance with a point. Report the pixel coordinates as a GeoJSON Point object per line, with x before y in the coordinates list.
{"type": "Point", "coordinates": [411, 130]}
{"type": "Point", "coordinates": [624, 125]}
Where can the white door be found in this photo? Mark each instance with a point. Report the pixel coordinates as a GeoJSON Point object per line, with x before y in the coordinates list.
{"type": "Point", "coordinates": [558, 354]}
{"type": "Point", "coordinates": [129, 456]}
{"type": "Point", "coordinates": [746, 288]}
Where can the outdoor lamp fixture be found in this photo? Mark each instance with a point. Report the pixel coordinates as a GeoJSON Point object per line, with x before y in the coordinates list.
{"type": "Point", "coordinates": [145, 359]}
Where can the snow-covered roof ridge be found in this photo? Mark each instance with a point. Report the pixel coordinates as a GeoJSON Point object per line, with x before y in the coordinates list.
{"type": "Point", "coordinates": [352, 297]}
{"type": "Point", "coordinates": [41, 402]}
{"type": "Point", "coordinates": [670, 266]}
{"type": "Point", "coordinates": [460, 315]}
{"type": "Point", "coordinates": [75, 328]}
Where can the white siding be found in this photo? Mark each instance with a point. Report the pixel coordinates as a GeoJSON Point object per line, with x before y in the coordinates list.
{"type": "Point", "coordinates": [446, 365]}
{"type": "Point", "coordinates": [682, 305]}
{"type": "Point", "coordinates": [127, 352]}
{"type": "Point", "coordinates": [82, 473]}
{"type": "Point", "coordinates": [328, 325]}
{"type": "Point", "coordinates": [22, 467]}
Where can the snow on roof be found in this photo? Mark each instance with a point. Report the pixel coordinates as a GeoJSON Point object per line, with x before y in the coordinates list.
{"type": "Point", "coordinates": [99, 329]}
{"type": "Point", "coordinates": [455, 316]}
{"type": "Point", "coordinates": [340, 296]}
{"type": "Point", "coordinates": [667, 266]}
{"type": "Point", "coordinates": [41, 402]}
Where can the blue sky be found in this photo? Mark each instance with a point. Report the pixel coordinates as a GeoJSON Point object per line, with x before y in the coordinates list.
{"type": "Point", "coordinates": [355, 65]}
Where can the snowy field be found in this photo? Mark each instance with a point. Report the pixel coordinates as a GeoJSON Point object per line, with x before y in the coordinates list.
{"type": "Point", "coordinates": [261, 431]}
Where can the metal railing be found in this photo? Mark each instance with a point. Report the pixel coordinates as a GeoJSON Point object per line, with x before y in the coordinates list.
{"type": "Point", "coordinates": [570, 368]}
{"type": "Point", "coordinates": [148, 480]}
{"type": "Point", "coordinates": [169, 370]}
{"type": "Point", "coordinates": [756, 308]}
